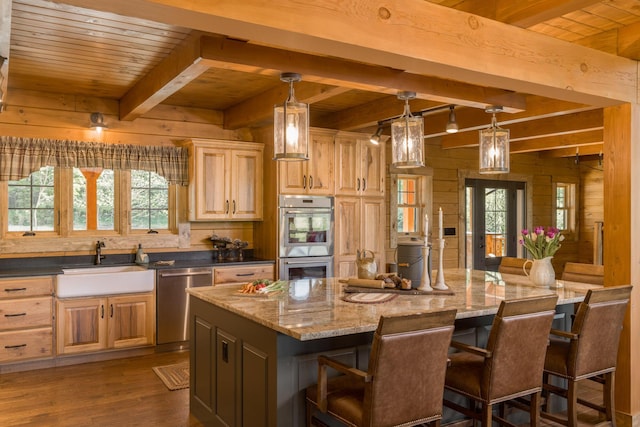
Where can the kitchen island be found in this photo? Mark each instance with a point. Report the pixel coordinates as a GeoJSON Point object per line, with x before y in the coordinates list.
{"type": "Point", "coordinates": [253, 356]}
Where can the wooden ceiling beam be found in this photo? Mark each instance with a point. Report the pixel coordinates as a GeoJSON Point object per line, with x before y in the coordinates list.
{"type": "Point", "coordinates": [5, 44]}
{"type": "Point", "coordinates": [461, 46]}
{"type": "Point", "coordinates": [549, 126]}
{"type": "Point", "coordinates": [370, 113]}
{"type": "Point", "coordinates": [572, 140]}
{"type": "Point", "coordinates": [629, 41]}
{"type": "Point", "coordinates": [176, 70]}
{"type": "Point", "coordinates": [525, 14]}
{"type": "Point", "coordinates": [237, 55]}
{"type": "Point", "coordinates": [584, 150]}
{"type": "Point", "coordinates": [258, 110]}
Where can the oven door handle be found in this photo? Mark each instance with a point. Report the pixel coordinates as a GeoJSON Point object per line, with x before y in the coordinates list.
{"type": "Point", "coordinates": [307, 211]}
{"type": "Point", "coordinates": [307, 261]}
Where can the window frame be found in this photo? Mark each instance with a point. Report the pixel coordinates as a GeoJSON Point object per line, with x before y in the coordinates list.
{"type": "Point", "coordinates": [63, 210]}
{"type": "Point", "coordinates": [571, 200]}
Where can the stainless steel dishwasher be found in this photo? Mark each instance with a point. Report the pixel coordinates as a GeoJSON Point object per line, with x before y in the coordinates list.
{"type": "Point", "coordinates": [172, 305]}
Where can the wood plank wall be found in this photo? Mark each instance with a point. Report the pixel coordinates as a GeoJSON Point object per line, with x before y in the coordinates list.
{"type": "Point", "coordinates": [66, 116]}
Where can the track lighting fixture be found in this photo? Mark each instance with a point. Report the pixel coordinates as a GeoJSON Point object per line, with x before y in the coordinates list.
{"type": "Point", "coordinates": [452, 124]}
{"type": "Point", "coordinates": [375, 138]}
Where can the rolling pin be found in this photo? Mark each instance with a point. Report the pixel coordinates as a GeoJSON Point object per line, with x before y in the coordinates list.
{"type": "Point", "coordinates": [366, 283]}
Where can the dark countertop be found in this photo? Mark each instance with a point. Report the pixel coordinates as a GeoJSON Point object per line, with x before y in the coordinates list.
{"type": "Point", "coordinates": [45, 266]}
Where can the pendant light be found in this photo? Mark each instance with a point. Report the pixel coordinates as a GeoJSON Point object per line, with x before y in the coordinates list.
{"type": "Point", "coordinates": [291, 125]}
{"type": "Point", "coordinates": [494, 146]}
{"type": "Point", "coordinates": [407, 137]}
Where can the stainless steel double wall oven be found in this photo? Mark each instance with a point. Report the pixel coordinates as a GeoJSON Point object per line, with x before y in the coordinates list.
{"type": "Point", "coordinates": [306, 230]}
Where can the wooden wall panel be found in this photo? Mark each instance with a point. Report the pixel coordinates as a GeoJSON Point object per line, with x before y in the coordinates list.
{"type": "Point", "coordinates": [66, 116]}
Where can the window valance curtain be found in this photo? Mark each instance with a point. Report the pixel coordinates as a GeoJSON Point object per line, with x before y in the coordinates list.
{"type": "Point", "coordinates": [19, 157]}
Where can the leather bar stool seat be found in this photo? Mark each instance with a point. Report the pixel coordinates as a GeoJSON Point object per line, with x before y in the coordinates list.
{"type": "Point", "coordinates": [511, 364]}
{"type": "Point", "coordinates": [588, 351]}
{"type": "Point", "coordinates": [404, 382]}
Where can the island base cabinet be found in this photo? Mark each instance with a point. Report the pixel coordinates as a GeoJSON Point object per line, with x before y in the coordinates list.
{"type": "Point", "coordinates": [233, 365]}
{"type": "Point", "coordinates": [246, 374]}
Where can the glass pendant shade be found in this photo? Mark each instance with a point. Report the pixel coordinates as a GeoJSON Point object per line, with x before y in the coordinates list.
{"type": "Point", "coordinates": [407, 137]}
{"type": "Point", "coordinates": [291, 125]}
{"type": "Point", "coordinates": [494, 148]}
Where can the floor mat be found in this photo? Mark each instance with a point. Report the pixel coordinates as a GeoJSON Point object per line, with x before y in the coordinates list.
{"type": "Point", "coordinates": [175, 377]}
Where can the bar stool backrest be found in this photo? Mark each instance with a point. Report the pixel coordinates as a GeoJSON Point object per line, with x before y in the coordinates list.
{"type": "Point", "coordinates": [408, 363]}
{"type": "Point", "coordinates": [517, 342]}
{"type": "Point", "coordinates": [598, 324]}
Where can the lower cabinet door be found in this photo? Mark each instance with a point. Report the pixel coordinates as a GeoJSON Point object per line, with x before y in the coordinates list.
{"type": "Point", "coordinates": [131, 320]}
{"type": "Point", "coordinates": [82, 325]}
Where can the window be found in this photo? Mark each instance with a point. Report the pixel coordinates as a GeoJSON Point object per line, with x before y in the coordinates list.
{"type": "Point", "coordinates": [565, 207]}
{"type": "Point", "coordinates": [149, 201]}
{"type": "Point", "coordinates": [93, 199]}
{"type": "Point", "coordinates": [31, 204]}
{"type": "Point", "coordinates": [84, 201]}
{"type": "Point", "coordinates": [408, 206]}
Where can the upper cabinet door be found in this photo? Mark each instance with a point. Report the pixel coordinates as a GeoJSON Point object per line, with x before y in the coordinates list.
{"type": "Point", "coordinates": [246, 185]}
{"type": "Point", "coordinates": [225, 181]}
{"type": "Point", "coordinates": [359, 166]}
{"type": "Point", "coordinates": [313, 176]}
{"type": "Point", "coordinates": [372, 168]}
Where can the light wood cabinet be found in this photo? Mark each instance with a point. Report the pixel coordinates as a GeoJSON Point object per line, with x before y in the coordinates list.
{"type": "Point", "coordinates": [225, 180]}
{"type": "Point", "coordinates": [100, 323]}
{"type": "Point", "coordinates": [359, 225]}
{"type": "Point", "coordinates": [360, 166]}
{"type": "Point", "coordinates": [26, 318]}
{"type": "Point", "coordinates": [314, 176]}
{"type": "Point", "coordinates": [242, 274]}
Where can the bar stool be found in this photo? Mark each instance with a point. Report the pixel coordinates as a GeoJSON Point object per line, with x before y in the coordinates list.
{"type": "Point", "coordinates": [510, 366]}
{"type": "Point", "coordinates": [589, 351]}
{"type": "Point", "coordinates": [585, 273]}
{"type": "Point", "coordinates": [404, 383]}
{"type": "Point", "coordinates": [512, 265]}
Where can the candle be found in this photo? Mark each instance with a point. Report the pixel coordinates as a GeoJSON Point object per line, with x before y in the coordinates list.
{"type": "Point", "coordinates": [440, 230]}
{"type": "Point", "coordinates": [426, 229]}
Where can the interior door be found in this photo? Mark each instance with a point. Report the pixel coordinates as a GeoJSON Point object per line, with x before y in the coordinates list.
{"type": "Point", "coordinates": [495, 210]}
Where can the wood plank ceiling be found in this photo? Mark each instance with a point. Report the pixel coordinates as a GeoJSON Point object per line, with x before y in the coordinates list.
{"type": "Point", "coordinates": [60, 48]}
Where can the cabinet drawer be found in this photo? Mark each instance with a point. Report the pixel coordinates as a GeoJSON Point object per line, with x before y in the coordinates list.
{"type": "Point", "coordinates": [242, 274]}
{"type": "Point", "coordinates": [28, 344]}
{"type": "Point", "coordinates": [18, 287]}
{"type": "Point", "coordinates": [26, 313]}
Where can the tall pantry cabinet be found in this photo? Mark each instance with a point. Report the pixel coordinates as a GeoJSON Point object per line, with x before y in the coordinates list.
{"type": "Point", "coordinates": [359, 202]}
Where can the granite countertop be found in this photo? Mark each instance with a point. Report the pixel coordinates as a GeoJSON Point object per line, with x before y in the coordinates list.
{"type": "Point", "coordinates": [314, 309]}
{"type": "Point", "coordinates": [53, 265]}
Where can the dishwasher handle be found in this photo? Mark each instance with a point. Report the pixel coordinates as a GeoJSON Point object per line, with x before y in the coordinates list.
{"type": "Point", "coordinates": [186, 274]}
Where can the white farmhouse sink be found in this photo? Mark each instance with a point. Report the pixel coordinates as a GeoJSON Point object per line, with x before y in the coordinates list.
{"type": "Point", "coordinates": [95, 281]}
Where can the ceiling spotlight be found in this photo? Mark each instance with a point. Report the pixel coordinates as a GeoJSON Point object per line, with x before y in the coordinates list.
{"type": "Point", "coordinates": [97, 122]}
{"type": "Point", "coordinates": [452, 125]}
{"type": "Point", "coordinates": [375, 138]}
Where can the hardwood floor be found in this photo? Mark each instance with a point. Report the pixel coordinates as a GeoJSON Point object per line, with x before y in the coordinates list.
{"type": "Point", "coordinates": [124, 392]}
{"type": "Point", "coordinates": [127, 393]}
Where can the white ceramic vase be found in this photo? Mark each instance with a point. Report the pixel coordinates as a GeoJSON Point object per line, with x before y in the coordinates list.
{"type": "Point", "coordinates": [541, 273]}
